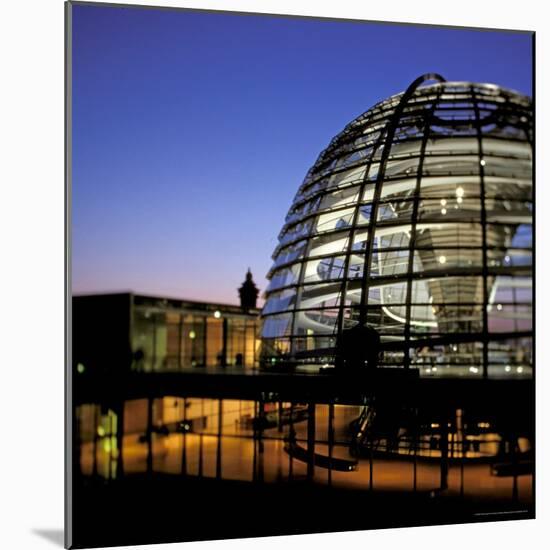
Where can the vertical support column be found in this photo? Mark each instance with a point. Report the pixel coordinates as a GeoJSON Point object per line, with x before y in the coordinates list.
{"type": "Point", "coordinates": [291, 438]}
{"type": "Point", "coordinates": [485, 268]}
{"type": "Point", "coordinates": [372, 405]}
{"type": "Point", "coordinates": [415, 450]}
{"type": "Point", "coordinates": [444, 446]}
{"type": "Point", "coordinates": [225, 333]}
{"type": "Point", "coordinates": [205, 341]}
{"type": "Point", "coordinates": [97, 409]}
{"type": "Point", "coordinates": [112, 439]}
{"type": "Point", "coordinates": [261, 418]}
{"type": "Point", "coordinates": [311, 441]}
{"type": "Point", "coordinates": [149, 435]}
{"type": "Point", "coordinates": [255, 442]}
{"type": "Point", "coordinates": [111, 465]}
{"type": "Point", "coordinates": [330, 440]}
{"type": "Point", "coordinates": [154, 355]}
{"type": "Point", "coordinates": [184, 439]}
{"type": "Point", "coordinates": [201, 439]}
{"type": "Point", "coordinates": [120, 439]}
{"type": "Point", "coordinates": [371, 463]}
{"type": "Point", "coordinates": [462, 439]}
{"type": "Point", "coordinates": [514, 450]}
{"type": "Point", "coordinates": [180, 341]}
{"type": "Point", "coordinates": [219, 445]}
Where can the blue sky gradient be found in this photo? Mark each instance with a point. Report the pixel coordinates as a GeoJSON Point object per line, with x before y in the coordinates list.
{"type": "Point", "coordinates": [192, 131]}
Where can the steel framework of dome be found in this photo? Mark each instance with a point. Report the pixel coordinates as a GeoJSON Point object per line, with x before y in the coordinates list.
{"type": "Point", "coordinates": [416, 220]}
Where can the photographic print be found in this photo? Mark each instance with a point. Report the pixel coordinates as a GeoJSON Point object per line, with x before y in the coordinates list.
{"type": "Point", "coordinates": [300, 275]}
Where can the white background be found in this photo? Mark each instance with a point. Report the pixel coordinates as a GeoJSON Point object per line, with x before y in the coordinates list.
{"type": "Point", "coordinates": [32, 274]}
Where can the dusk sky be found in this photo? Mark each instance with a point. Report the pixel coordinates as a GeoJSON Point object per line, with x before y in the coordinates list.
{"type": "Point", "coordinates": [192, 131]}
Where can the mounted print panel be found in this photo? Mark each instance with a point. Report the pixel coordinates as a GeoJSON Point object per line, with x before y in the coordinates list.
{"type": "Point", "coordinates": [301, 275]}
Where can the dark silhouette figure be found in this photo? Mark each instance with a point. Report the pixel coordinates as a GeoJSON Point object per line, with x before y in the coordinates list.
{"type": "Point", "coordinates": [248, 293]}
{"type": "Point", "coordinates": [358, 348]}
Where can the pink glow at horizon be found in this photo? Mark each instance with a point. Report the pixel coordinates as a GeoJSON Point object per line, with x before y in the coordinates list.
{"type": "Point", "coordinates": [189, 143]}
{"type": "Point", "coordinates": [204, 290]}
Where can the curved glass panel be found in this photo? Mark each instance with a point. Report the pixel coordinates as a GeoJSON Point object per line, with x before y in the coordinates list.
{"type": "Point", "coordinates": [417, 220]}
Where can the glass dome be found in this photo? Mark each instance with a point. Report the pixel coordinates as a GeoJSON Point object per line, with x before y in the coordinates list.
{"type": "Point", "coordinates": [417, 221]}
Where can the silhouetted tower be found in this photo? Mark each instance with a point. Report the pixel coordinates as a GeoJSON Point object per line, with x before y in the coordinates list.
{"type": "Point", "coordinates": [248, 292]}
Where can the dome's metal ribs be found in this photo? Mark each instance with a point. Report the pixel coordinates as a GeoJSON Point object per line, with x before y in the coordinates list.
{"type": "Point", "coordinates": [360, 192]}
{"type": "Point", "coordinates": [485, 275]}
{"type": "Point", "coordinates": [380, 181]}
{"type": "Point", "coordinates": [365, 232]}
{"type": "Point", "coordinates": [414, 220]}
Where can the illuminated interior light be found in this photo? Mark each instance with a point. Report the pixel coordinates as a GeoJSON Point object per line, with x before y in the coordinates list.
{"type": "Point", "coordinates": [100, 431]}
{"type": "Point", "coordinates": [459, 200]}
{"type": "Point", "coordinates": [507, 259]}
{"type": "Point", "coordinates": [80, 368]}
{"type": "Point", "coordinates": [474, 369]}
{"type": "Point", "coordinates": [443, 202]}
{"type": "Point", "coordinates": [499, 307]}
{"type": "Point", "coordinates": [459, 192]}
{"type": "Point", "coordinates": [520, 369]}
{"type": "Point", "coordinates": [455, 348]}
{"type": "Point", "coordinates": [442, 259]}
{"type": "Point", "coordinates": [443, 211]}
{"type": "Point", "coordinates": [507, 368]}
{"type": "Point", "coordinates": [192, 335]}
{"type": "Point", "coordinates": [482, 162]}
{"type": "Point", "coordinates": [217, 314]}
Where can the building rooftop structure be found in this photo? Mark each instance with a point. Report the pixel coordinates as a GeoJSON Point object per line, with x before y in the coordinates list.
{"type": "Point", "coordinates": [248, 292]}
{"type": "Point", "coordinates": [133, 332]}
